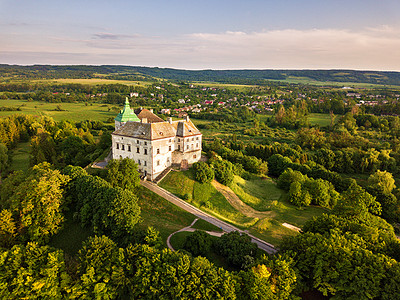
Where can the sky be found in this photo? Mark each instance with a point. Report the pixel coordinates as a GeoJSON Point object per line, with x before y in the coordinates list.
{"type": "Point", "coordinates": [217, 34]}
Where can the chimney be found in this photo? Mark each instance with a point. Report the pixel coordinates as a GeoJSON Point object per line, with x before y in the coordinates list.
{"type": "Point", "coordinates": [187, 118]}
{"type": "Point", "coordinates": [144, 120]}
{"type": "Point", "coordinates": [151, 110]}
{"type": "Point", "coordinates": [169, 120]}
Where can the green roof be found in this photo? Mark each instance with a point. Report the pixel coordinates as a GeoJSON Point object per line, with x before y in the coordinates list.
{"type": "Point", "coordinates": [127, 114]}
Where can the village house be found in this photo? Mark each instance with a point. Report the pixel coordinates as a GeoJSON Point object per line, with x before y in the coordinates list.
{"type": "Point", "coordinates": [154, 144]}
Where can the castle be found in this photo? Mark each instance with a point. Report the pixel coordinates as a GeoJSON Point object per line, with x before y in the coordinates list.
{"type": "Point", "coordinates": [154, 144]}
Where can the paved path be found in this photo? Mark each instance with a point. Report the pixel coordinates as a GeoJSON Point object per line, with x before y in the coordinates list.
{"type": "Point", "coordinates": [190, 229]}
{"type": "Point", "coordinates": [267, 247]}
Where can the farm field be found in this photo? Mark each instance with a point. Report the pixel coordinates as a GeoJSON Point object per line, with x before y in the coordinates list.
{"type": "Point", "coordinates": [87, 81]}
{"type": "Point", "coordinates": [309, 81]}
{"type": "Point", "coordinates": [70, 111]}
{"type": "Point", "coordinates": [262, 214]}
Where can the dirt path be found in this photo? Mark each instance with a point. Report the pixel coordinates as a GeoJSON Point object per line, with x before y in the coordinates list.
{"type": "Point", "coordinates": [238, 204]}
{"type": "Point", "coordinates": [267, 247]}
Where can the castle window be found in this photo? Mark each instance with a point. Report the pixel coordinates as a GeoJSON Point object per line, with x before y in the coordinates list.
{"type": "Point", "coordinates": [122, 147]}
{"type": "Point", "coordinates": [187, 146]}
{"type": "Point", "coordinates": [145, 143]}
{"type": "Point", "coordinates": [170, 140]}
{"type": "Point", "coordinates": [158, 150]}
{"type": "Point", "coordinates": [179, 147]}
{"type": "Point", "coordinates": [145, 151]}
{"type": "Point", "coordinates": [197, 138]}
{"type": "Point", "coordinates": [158, 162]}
{"type": "Point", "coordinates": [137, 141]}
{"type": "Point", "coordinates": [129, 148]}
{"type": "Point", "coordinates": [139, 162]}
{"type": "Point", "coordinates": [197, 145]}
{"type": "Point", "coordinates": [187, 140]}
{"type": "Point", "coordinates": [192, 139]}
{"type": "Point", "coordinates": [169, 148]}
{"type": "Point", "coordinates": [137, 150]}
{"type": "Point", "coordinates": [179, 140]}
{"type": "Point", "coordinates": [167, 159]}
{"type": "Point", "coordinates": [145, 163]}
{"type": "Point", "coordinates": [117, 145]}
{"type": "Point", "coordinates": [194, 156]}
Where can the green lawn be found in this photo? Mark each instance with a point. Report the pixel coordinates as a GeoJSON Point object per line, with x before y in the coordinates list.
{"type": "Point", "coordinates": [177, 241]}
{"type": "Point", "coordinates": [322, 120]}
{"type": "Point", "coordinates": [204, 225]}
{"type": "Point", "coordinates": [71, 111]}
{"type": "Point", "coordinates": [70, 238]}
{"type": "Point", "coordinates": [20, 157]}
{"type": "Point", "coordinates": [205, 197]}
{"type": "Point", "coordinates": [161, 214]}
{"type": "Point", "coordinates": [259, 193]}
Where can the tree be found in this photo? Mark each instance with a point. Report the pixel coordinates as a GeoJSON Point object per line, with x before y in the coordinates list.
{"type": "Point", "coordinates": [223, 171]}
{"type": "Point", "coordinates": [289, 176]}
{"type": "Point", "coordinates": [108, 210]}
{"type": "Point", "coordinates": [198, 243]}
{"type": "Point", "coordinates": [203, 172]}
{"type": "Point", "coordinates": [355, 201]}
{"type": "Point", "coordinates": [270, 278]}
{"type": "Point", "coordinates": [123, 173]}
{"type": "Point", "coordinates": [36, 201]}
{"type": "Point", "coordinates": [100, 269]}
{"type": "Point", "coordinates": [3, 158]}
{"type": "Point", "coordinates": [33, 272]}
{"type": "Point", "coordinates": [236, 248]}
{"type": "Point", "coordinates": [277, 164]}
{"type": "Point", "coordinates": [382, 181]}
{"type": "Point", "coordinates": [299, 196]}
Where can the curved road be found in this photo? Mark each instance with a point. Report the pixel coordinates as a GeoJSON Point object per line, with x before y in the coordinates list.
{"type": "Point", "coordinates": [267, 247]}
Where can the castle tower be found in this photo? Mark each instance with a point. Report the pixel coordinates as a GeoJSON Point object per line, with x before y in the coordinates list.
{"type": "Point", "coordinates": [126, 114]}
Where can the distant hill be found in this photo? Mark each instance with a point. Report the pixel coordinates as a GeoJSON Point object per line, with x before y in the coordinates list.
{"type": "Point", "coordinates": [223, 76]}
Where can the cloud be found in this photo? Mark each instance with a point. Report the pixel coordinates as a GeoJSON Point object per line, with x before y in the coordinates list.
{"type": "Point", "coordinates": [112, 36]}
{"type": "Point", "coordinates": [370, 48]}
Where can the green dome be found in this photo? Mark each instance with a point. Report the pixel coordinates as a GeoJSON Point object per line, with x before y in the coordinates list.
{"type": "Point", "coordinates": [127, 114]}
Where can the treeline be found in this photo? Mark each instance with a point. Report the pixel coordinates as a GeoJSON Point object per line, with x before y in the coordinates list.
{"type": "Point", "coordinates": [234, 76]}
{"type": "Point", "coordinates": [59, 143]}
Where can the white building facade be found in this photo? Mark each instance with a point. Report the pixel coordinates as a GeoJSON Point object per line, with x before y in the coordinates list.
{"type": "Point", "coordinates": [155, 144]}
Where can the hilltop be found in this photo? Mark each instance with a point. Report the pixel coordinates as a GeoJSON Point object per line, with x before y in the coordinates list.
{"type": "Point", "coordinates": [117, 72]}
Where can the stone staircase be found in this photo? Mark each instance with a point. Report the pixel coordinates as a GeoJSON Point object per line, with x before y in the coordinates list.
{"type": "Point", "coordinates": [162, 175]}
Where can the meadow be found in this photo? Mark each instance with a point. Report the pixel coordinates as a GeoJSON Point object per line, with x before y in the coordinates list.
{"type": "Point", "coordinates": [62, 111]}
{"type": "Point", "coordinates": [268, 206]}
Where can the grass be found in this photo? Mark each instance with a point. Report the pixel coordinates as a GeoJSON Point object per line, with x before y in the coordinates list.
{"type": "Point", "coordinates": [257, 193]}
{"type": "Point", "coordinates": [177, 241]}
{"type": "Point", "coordinates": [323, 120]}
{"type": "Point", "coordinates": [20, 157]}
{"type": "Point", "coordinates": [161, 214]}
{"type": "Point", "coordinates": [94, 81]}
{"type": "Point", "coordinates": [71, 111]}
{"type": "Point", "coordinates": [204, 225]}
{"type": "Point", "coordinates": [205, 197]}
{"type": "Point", "coordinates": [70, 238]}
{"type": "Point", "coordinates": [261, 194]}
